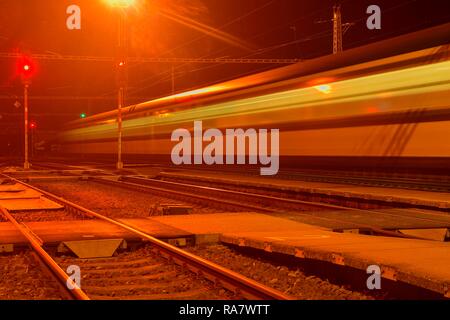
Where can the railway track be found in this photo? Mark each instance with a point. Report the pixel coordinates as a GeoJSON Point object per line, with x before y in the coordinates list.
{"type": "Point", "coordinates": [257, 202]}
{"type": "Point", "coordinates": [277, 202]}
{"type": "Point", "coordinates": [368, 179]}
{"type": "Point", "coordinates": [158, 255]}
{"type": "Point", "coordinates": [46, 260]}
{"type": "Point", "coordinates": [274, 202]}
{"type": "Point", "coordinates": [423, 183]}
{"type": "Point", "coordinates": [267, 203]}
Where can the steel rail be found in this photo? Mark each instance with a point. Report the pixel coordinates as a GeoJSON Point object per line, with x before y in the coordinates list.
{"type": "Point", "coordinates": [230, 280]}
{"type": "Point", "coordinates": [260, 208]}
{"type": "Point", "coordinates": [55, 269]}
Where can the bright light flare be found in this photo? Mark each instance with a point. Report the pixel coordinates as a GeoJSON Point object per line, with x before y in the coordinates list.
{"type": "Point", "coordinates": [120, 3]}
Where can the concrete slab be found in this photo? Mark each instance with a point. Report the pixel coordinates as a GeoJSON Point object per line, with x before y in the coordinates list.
{"type": "Point", "coordinates": [21, 194]}
{"type": "Point", "coordinates": [52, 232]}
{"type": "Point", "coordinates": [10, 235]}
{"type": "Point", "coordinates": [418, 262]}
{"type": "Point", "coordinates": [41, 203]}
{"type": "Point", "coordinates": [55, 232]}
{"type": "Point", "coordinates": [157, 229]}
{"type": "Point", "coordinates": [232, 222]}
{"type": "Point", "coordinates": [90, 249]}
{"type": "Point", "coordinates": [440, 234]}
{"type": "Point", "coordinates": [11, 188]}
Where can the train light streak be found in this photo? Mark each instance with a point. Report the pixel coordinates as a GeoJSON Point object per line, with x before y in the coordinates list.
{"type": "Point", "coordinates": [196, 92]}
{"type": "Point", "coordinates": [324, 88]}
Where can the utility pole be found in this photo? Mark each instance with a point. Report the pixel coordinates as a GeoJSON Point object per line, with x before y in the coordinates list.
{"type": "Point", "coordinates": [337, 29]}
{"type": "Point", "coordinates": [122, 65]}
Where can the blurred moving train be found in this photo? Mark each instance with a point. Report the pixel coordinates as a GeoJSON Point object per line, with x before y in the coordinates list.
{"type": "Point", "coordinates": [381, 107]}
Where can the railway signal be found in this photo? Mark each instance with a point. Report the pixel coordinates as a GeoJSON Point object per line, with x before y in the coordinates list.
{"type": "Point", "coordinates": [83, 115]}
{"type": "Point", "coordinates": [26, 70]}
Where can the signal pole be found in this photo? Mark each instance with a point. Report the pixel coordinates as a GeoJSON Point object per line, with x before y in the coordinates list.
{"type": "Point", "coordinates": [26, 70]}
{"type": "Point", "coordinates": [337, 29]}
{"type": "Point", "coordinates": [26, 164]}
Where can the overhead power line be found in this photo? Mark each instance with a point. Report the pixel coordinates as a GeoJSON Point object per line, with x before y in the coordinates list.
{"type": "Point", "coordinates": [51, 57]}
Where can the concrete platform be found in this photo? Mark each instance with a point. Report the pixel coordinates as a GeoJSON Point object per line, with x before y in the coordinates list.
{"type": "Point", "coordinates": [55, 232]}
{"type": "Point", "coordinates": [411, 197]}
{"type": "Point", "coordinates": [17, 197]}
{"type": "Point", "coordinates": [418, 262]}
{"type": "Point", "coordinates": [10, 235]}
{"type": "Point", "coordinates": [16, 193]}
{"type": "Point", "coordinates": [388, 219]}
{"type": "Point", "coordinates": [157, 229]}
{"type": "Point", "coordinates": [41, 203]}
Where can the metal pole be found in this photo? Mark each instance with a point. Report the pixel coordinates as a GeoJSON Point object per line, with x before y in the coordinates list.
{"type": "Point", "coordinates": [26, 164]}
{"type": "Point", "coordinates": [337, 29]}
{"type": "Point", "coordinates": [121, 78]}
{"type": "Point", "coordinates": [32, 144]}
{"type": "Point", "coordinates": [119, 123]}
{"type": "Point", "coordinates": [173, 80]}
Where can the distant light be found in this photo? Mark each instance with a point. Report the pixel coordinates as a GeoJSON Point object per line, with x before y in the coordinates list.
{"type": "Point", "coordinates": [26, 67]}
{"type": "Point", "coordinates": [83, 115]}
{"type": "Point", "coordinates": [324, 88]}
{"type": "Point", "coordinates": [121, 63]}
{"type": "Point", "coordinates": [33, 125]}
{"type": "Point", "coordinates": [121, 3]}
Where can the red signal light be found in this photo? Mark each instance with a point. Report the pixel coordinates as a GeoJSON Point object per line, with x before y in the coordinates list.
{"type": "Point", "coordinates": [33, 125]}
{"type": "Point", "coordinates": [26, 67]}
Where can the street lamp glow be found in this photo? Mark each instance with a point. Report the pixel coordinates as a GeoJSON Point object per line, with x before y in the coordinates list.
{"type": "Point", "coordinates": [121, 3]}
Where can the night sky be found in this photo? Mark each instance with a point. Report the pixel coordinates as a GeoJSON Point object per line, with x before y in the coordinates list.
{"type": "Point", "coordinates": [273, 28]}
